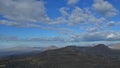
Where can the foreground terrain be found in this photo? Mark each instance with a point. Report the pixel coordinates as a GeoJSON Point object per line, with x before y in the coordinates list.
{"type": "Point", "coordinates": [99, 56]}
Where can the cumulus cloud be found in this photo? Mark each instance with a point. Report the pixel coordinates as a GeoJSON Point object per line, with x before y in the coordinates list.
{"type": "Point", "coordinates": [18, 12]}
{"type": "Point", "coordinates": [92, 29]}
{"type": "Point", "coordinates": [111, 23]}
{"type": "Point", "coordinates": [77, 16]}
{"type": "Point", "coordinates": [64, 10]}
{"type": "Point", "coordinates": [93, 19]}
{"type": "Point", "coordinates": [113, 36]}
{"type": "Point", "coordinates": [105, 8]}
{"type": "Point", "coordinates": [24, 10]}
{"type": "Point", "coordinates": [72, 2]}
{"type": "Point", "coordinates": [30, 12]}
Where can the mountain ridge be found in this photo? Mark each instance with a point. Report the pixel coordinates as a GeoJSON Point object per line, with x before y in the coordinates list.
{"type": "Point", "coordinates": [67, 57]}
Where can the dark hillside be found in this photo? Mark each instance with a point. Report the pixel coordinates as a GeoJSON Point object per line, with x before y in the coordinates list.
{"type": "Point", "coordinates": [67, 57]}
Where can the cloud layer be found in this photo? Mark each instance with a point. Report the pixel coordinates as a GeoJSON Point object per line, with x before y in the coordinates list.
{"type": "Point", "coordinates": [94, 20]}
{"type": "Point", "coordinates": [82, 37]}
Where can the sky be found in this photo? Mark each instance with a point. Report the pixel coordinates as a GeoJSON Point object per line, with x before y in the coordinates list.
{"type": "Point", "coordinates": [59, 22]}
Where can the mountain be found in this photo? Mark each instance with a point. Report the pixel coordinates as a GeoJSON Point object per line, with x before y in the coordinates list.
{"type": "Point", "coordinates": [22, 50]}
{"type": "Point", "coordinates": [101, 46]}
{"type": "Point", "coordinates": [19, 50]}
{"type": "Point", "coordinates": [67, 57]}
{"type": "Point", "coordinates": [116, 46]}
{"type": "Point", "coordinates": [50, 48]}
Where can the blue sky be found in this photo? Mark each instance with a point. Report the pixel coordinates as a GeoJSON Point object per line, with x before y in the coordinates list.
{"type": "Point", "coordinates": [60, 22]}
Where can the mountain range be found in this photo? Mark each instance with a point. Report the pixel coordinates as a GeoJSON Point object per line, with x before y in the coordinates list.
{"type": "Point", "coordinates": [99, 56]}
{"type": "Point", "coordinates": [22, 50]}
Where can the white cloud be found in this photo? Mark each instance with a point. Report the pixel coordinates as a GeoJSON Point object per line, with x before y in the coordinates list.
{"type": "Point", "coordinates": [111, 36]}
{"type": "Point", "coordinates": [111, 23]}
{"type": "Point", "coordinates": [16, 24]}
{"type": "Point", "coordinates": [9, 23]}
{"type": "Point", "coordinates": [96, 36]}
{"type": "Point", "coordinates": [64, 10]}
{"type": "Point", "coordinates": [28, 12]}
{"type": "Point", "coordinates": [93, 29]}
{"type": "Point", "coordinates": [59, 39]}
{"type": "Point", "coordinates": [105, 8]}
{"type": "Point", "coordinates": [93, 19]}
{"type": "Point", "coordinates": [71, 17]}
{"type": "Point", "coordinates": [23, 10]}
{"type": "Point", "coordinates": [72, 2]}
{"type": "Point", "coordinates": [34, 25]}
{"type": "Point", "coordinates": [88, 36]}
{"type": "Point", "coordinates": [76, 16]}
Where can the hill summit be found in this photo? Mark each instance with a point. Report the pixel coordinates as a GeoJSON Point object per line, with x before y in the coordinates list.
{"type": "Point", "coordinates": [101, 46]}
